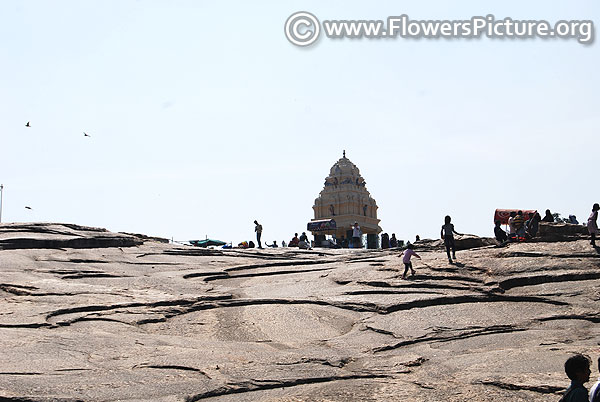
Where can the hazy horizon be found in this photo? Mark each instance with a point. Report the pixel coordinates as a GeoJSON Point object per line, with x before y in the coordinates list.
{"type": "Point", "coordinates": [202, 117]}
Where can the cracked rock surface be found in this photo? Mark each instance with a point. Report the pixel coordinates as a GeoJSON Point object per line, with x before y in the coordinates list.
{"type": "Point", "coordinates": [90, 315]}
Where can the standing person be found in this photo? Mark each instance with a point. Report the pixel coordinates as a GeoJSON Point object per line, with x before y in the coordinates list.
{"type": "Point", "coordinates": [385, 241]}
{"type": "Point", "coordinates": [577, 368]}
{"type": "Point", "coordinates": [406, 260]}
{"type": "Point", "coordinates": [548, 217]}
{"type": "Point", "coordinates": [393, 241]}
{"type": "Point", "coordinates": [356, 234]}
{"type": "Point", "coordinates": [534, 224]}
{"type": "Point", "coordinates": [447, 234]}
{"type": "Point", "coordinates": [592, 223]}
{"type": "Point", "coordinates": [511, 223]}
{"type": "Point", "coordinates": [258, 230]}
{"type": "Point", "coordinates": [595, 390]}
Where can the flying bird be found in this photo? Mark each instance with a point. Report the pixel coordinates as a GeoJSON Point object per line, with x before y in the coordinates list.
{"type": "Point", "coordinates": [85, 134]}
{"type": "Point", "coordinates": [27, 125]}
{"type": "Point", "coordinates": [28, 207]}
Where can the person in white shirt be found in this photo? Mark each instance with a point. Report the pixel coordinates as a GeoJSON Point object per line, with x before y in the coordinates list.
{"type": "Point", "coordinates": [595, 390]}
{"type": "Point", "coordinates": [356, 234]}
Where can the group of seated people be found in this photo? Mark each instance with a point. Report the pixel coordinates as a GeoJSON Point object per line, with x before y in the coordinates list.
{"type": "Point", "coordinates": [300, 242]}
{"type": "Point", "coordinates": [519, 228]}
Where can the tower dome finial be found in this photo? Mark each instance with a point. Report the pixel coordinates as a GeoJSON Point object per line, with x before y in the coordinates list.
{"type": "Point", "coordinates": [344, 153]}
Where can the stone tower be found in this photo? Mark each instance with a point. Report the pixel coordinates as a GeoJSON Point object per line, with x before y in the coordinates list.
{"type": "Point", "coordinates": [346, 200]}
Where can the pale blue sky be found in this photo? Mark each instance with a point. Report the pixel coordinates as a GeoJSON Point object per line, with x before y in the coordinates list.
{"type": "Point", "coordinates": [203, 117]}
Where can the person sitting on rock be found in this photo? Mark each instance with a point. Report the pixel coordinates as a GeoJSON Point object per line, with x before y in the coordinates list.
{"type": "Point", "coordinates": [548, 217]}
{"type": "Point", "coordinates": [274, 245]}
{"type": "Point", "coordinates": [304, 242]}
{"type": "Point", "coordinates": [499, 233]}
{"type": "Point", "coordinates": [519, 224]}
{"type": "Point", "coordinates": [595, 390]}
{"type": "Point", "coordinates": [294, 242]}
{"type": "Point", "coordinates": [577, 368]}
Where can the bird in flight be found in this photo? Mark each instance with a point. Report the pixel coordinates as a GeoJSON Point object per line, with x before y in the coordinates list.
{"type": "Point", "coordinates": [27, 125]}
{"type": "Point", "coordinates": [86, 134]}
{"type": "Point", "coordinates": [28, 207]}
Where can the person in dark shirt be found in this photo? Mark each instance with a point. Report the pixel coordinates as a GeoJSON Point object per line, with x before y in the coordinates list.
{"type": "Point", "coordinates": [393, 241]}
{"type": "Point", "coordinates": [447, 235]}
{"type": "Point", "coordinates": [578, 370]}
{"type": "Point", "coordinates": [499, 233]}
{"type": "Point", "coordinates": [548, 217]}
{"type": "Point", "coordinates": [533, 224]}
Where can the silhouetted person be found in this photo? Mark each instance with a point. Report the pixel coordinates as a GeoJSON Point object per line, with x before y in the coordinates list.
{"type": "Point", "coordinates": [592, 223]}
{"type": "Point", "coordinates": [499, 233]}
{"type": "Point", "coordinates": [447, 234]}
{"type": "Point", "coordinates": [533, 224]}
{"type": "Point", "coordinates": [577, 368]}
{"type": "Point", "coordinates": [274, 245]}
{"type": "Point", "coordinates": [548, 217]}
{"type": "Point", "coordinates": [417, 238]}
{"type": "Point", "coordinates": [258, 230]}
{"type": "Point", "coordinates": [385, 241]}
{"type": "Point", "coordinates": [304, 242]}
{"type": "Point", "coordinates": [393, 241]}
{"type": "Point", "coordinates": [595, 390]}
{"type": "Point", "coordinates": [573, 220]}
{"type": "Point", "coordinates": [295, 240]}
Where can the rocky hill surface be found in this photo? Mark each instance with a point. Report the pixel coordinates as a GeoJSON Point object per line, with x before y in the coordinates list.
{"type": "Point", "coordinates": [90, 315]}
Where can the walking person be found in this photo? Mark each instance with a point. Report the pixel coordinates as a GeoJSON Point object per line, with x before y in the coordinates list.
{"type": "Point", "coordinates": [258, 230]}
{"type": "Point", "coordinates": [447, 234]}
{"type": "Point", "coordinates": [408, 253]}
{"type": "Point", "coordinates": [592, 223]}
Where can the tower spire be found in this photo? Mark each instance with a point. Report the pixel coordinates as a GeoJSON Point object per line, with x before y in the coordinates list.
{"type": "Point", "coordinates": [344, 153]}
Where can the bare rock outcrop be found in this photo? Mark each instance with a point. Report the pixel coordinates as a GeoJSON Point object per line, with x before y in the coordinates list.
{"type": "Point", "coordinates": [159, 322]}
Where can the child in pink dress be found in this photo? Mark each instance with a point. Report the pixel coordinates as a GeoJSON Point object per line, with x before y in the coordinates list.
{"type": "Point", "coordinates": [409, 252]}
